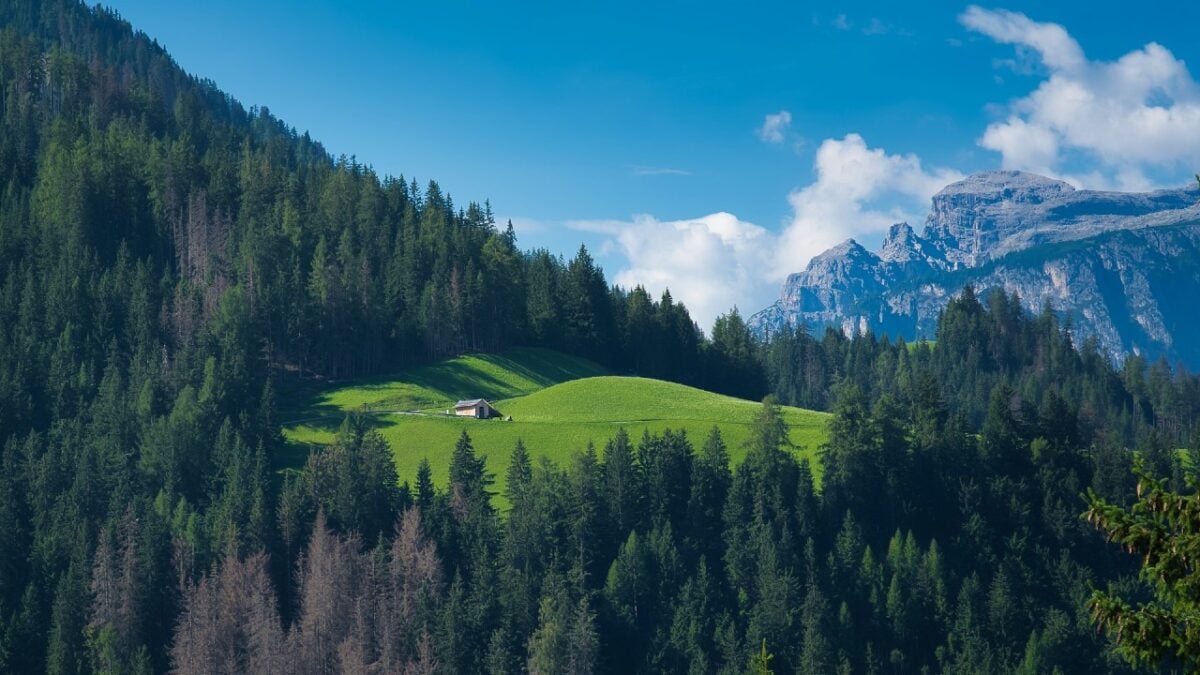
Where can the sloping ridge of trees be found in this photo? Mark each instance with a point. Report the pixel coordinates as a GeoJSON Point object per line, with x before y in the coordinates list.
{"type": "Point", "coordinates": [168, 258]}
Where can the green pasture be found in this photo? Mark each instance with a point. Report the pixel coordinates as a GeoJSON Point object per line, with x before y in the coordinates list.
{"type": "Point", "coordinates": [558, 405]}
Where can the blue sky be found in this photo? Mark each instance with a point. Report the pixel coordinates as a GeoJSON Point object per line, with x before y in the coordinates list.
{"type": "Point", "coordinates": [710, 147]}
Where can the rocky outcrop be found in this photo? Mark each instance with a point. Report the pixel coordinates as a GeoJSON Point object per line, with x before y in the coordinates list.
{"type": "Point", "coordinates": [1125, 268]}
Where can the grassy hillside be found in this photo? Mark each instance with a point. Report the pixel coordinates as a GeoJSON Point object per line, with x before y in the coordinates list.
{"type": "Point", "coordinates": [554, 421]}
{"type": "Point", "coordinates": [490, 376]}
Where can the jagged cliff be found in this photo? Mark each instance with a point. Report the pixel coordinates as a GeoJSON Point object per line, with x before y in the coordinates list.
{"type": "Point", "coordinates": [1124, 267]}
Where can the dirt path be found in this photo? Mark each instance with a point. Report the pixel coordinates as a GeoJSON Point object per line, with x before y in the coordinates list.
{"type": "Point", "coordinates": [415, 413]}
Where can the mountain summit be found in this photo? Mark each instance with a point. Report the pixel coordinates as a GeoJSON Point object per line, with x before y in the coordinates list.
{"type": "Point", "coordinates": [1124, 267]}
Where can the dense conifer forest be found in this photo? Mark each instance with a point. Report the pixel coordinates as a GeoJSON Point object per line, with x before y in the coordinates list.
{"type": "Point", "coordinates": [170, 262]}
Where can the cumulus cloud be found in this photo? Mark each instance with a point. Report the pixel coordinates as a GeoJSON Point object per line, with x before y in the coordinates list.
{"type": "Point", "coordinates": [1023, 145]}
{"type": "Point", "coordinates": [716, 261]}
{"type": "Point", "coordinates": [1094, 123]}
{"type": "Point", "coordinates": [775, 127]}
{"type": "Point", "coordinates": [1126, 117]}
{"type": "Point", "coordinates": [852, 180]}
{"type": "Point", "coordinates": [709, 263]}
{"type": "Point", "coordinates": [1057, 47]}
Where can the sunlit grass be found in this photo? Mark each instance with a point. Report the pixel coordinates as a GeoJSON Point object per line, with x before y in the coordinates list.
{"type": "Point", "coordinates": [554, 422]}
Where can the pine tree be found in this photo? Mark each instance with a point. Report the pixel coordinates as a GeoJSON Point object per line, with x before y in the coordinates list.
{"type": "Point", "coordinates": [622, 486]}
{"type": "Point", "coordinates": [1160, 527]}
{"type": "Point", "coordinates": [760, 663]}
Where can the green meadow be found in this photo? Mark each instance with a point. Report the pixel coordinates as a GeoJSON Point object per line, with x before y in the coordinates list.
{"type": "Point", "coordinates": [436, 386]}
{"type": "Point", "coordinates": [557, 404]}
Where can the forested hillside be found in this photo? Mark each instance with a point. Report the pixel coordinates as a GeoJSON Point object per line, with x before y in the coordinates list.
{"type": "Point", "coordinates": [167, 258]}
{"type": "Point", "coordinates": [170, 261]}
{"type": "Point", "coordinates": [987, 343]}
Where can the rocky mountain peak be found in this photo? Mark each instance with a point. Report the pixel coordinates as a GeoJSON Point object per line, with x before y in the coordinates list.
{"type": "Point", "coordinates": [848, 247]}
{"type": "Point", "coordinates": [1121, 265]}
{"type": "Point", "coordinates": [968, 218]}
{"type": "Point", "coordinates": [1013, 186]}
{"type": "Point", "coordinates": [903, 246]}
{"type": "Point", "coordinates": [900, 231]}
{"type": "Point", "coordinates": [848, 257]}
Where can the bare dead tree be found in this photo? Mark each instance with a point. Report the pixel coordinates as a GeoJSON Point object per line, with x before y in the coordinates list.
{"type": "Point", "coordinates": [426, 662]}
{"type": "Point", "coordinates": [416, 585]}
{"type": "Point", "coordinates": [117, 589]}
{"type": "Point", "coordinates": [328, 576]}
{"type": "Point", "coordinates": [360, 613]}
{"type": "Point", "coordinates": [230, 622]}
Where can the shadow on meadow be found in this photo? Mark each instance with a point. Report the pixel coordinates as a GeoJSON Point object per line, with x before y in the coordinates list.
{"type": "Point", "coordinates": [295, 452]}
{"type": "Point", "coordinates": [321, 409]}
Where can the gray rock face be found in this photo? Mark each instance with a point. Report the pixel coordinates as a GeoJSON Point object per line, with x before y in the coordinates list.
{"type": "Point", "coordinates": [968, 219]}
{"type": "Point", "coordinates": [1125, 268]}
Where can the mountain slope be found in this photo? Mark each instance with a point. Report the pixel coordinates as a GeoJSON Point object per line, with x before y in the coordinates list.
{"type": "Point", "coordinates": [1118, 265]}
{"type": "Point", "coordinates": [555, 414]}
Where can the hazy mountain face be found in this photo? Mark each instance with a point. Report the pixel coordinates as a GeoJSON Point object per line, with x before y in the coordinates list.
{"type": "Point", "coordinates": [1124, 268]}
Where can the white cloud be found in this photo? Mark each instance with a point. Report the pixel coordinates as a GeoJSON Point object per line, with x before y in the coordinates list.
{"type": "Point", "coordinates": [1023, 145]}
{"type": "Point", "coordinates": [659, 171]}
{"type": "Point", "coordinates": [521, 225]}
{"type": "Point", "coordinates": [1058, 49]}
{"type": "Point", "coordinates": [877, 26]}
{"type": "Point", "coordinates": [873, 27]}
{"type": "Point", "coordinates": [843, 202]}
{"type": "Point", "coordinates": [716, 261]}
{"type": "Point", "coordinates": [1096, 124]}
{"type": "Point", "coordinates": [1115, 120]}
{"type": "Point", "coordinates": [709, 263]}
{"type": "Point", "coordinates": [775, 127]}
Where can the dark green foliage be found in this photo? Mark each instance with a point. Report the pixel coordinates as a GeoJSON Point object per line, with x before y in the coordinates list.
{"type": "Point", "coordinates": [986, 351]}
{"type": "Point", "coordinates": [734, 366]}
{"type": "Point", "coordinates": [1161, 528]}
{"type": "Point", "coordinates": [353, 481]}
{"type": "Point", "coordinates": [169, 260]}
{"type": "Point", "coordinates": [171, 263]}
{"type": "Point", "coordinates": [760, 663]}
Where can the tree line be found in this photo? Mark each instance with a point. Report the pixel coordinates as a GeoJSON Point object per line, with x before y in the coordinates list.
{"type": "Point", "coordinates": [984, 343]}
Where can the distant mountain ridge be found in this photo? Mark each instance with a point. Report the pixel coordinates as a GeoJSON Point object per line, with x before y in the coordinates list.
{"type": "Point", "coordinates": [1124, 267]}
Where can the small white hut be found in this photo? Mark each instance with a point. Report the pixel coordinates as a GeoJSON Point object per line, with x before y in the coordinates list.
{"type": "Point", "coordinates": [478, 408]}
